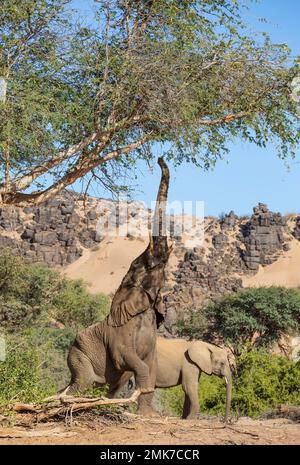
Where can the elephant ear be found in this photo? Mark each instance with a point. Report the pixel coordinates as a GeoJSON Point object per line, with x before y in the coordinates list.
{"type": "Point", "coordinates": [127, 303]}
{"type": "Point", "coordinates": [200, 354]}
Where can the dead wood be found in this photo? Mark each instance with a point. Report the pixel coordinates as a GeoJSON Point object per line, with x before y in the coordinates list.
{"type": "Point", "coordinates": [66, 405]}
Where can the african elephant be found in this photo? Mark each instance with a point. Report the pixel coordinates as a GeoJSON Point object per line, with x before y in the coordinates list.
{"type": "Point", "coordinates": [181, 362]}
{"type": "Point", "coordinates": [126, 339]}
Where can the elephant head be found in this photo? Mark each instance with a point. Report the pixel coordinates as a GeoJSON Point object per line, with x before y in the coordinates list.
{"type": "Point", "coordinates": [212, 359]}
{"type": "Point", "coordinates": [146, 276]}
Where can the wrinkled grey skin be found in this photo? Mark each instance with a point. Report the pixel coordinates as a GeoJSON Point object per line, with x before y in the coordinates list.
{"type": "Point", "coordinates": [126, 339]}
{"type": "Point", "coordinates": [101, 353]}
{"type": "Point", "coordinates": [182, 362]}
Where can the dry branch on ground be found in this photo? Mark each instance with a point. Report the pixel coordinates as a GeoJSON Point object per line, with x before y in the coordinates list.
{"type": "Point", "coordinates": [65, 405]}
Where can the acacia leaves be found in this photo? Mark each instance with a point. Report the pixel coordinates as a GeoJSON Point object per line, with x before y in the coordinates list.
{"type": "Point", "coordinates": [256, 317]}
{"type": "Point", "coordinates": [83, 99]}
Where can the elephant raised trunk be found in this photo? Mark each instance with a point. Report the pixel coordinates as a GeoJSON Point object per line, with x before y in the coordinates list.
{"type": "Point", "coordinates": [159, 231]}
{"type": "Point", "coordinates": [146, 273]}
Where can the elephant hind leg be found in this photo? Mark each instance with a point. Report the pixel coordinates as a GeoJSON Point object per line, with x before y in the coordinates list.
{"type": "Point", "coordinates": [82, 372]}
{"type": "Point", "coordinates": [115, 387]}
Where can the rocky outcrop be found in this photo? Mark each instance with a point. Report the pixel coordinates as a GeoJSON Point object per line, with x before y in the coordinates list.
{"type": "Point", "coordinates": [230, 220]}
{"type": "Point", "coordinates": [264, 237]}
{"type": "Point", "coordinates": [199, 279]}
{"type": "Point", "coordinates": [56, 232]}
{"type": "Point", "coordinates": [235, 247]}
{"type": "Point", "coordinates": [206, 272]}
{"type": "Point", "coordinates": [52, 233]}
{"type": "Point", "coordinates": [296, 231]}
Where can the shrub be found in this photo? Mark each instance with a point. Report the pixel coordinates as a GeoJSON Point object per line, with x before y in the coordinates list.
{"type": "Point", "coordinates": [35, 365]}
{"type": "Point", "coordinates": [194, 325]}
{"type": "Point", "coordinates": [11, 268]}
{"type": "Point", "coordinates": [31, 294]}
{"type": "Point", "coordinates": [211, 393]}
{"type": "Point", "coordinates": [75, 307]}
{"type": "Point", "coordinates": [33, 300]}
{"type": "Point", "coordinates": [21, 374]}
{"type": "Point", "coordinates": [260, 316]}
{"type": "Point", "coordinates": [262, 383]}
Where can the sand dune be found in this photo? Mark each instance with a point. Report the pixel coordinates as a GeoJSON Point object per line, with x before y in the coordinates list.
{"type": "Point", "coordinates": [284, 272]}
{"type": "Point", "coordinates": [104, 268]}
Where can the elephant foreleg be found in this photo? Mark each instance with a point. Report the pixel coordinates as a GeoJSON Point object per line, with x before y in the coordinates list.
{"type": "Point", "coordinates": [186, 406]}
{"type": "Point", "coordinates": [141, 371]}
{"type": "Point", "coordinates": [145, 400]}
{"type": "Point", "coordinates": [190, 386]}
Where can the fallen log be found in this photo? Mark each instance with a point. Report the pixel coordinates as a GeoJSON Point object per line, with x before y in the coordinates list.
{"type": "Point", "coordinates": [63, 405]}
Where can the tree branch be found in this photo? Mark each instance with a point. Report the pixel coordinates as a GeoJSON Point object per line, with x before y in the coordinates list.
{"type": "Point", "coordinates": [83, 165]}
{"type": "Point", "coordinates": [26, 180]}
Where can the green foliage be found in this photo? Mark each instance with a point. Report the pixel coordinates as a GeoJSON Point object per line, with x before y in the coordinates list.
{"type": "Point", "coordinates": [36, 294]}
{"type": "Point", "coordinates": [40, 313]}
{"type": "Point", "coordinates": [75, 307]}
{"type": "Point", "coordinates": [194, 325]}
{"type": "Point", "coordinates": [36, 364]}
{"type": "Point", "coordinates": [261, 384]}
{"type": "Point", "coordinates": [41, 103]}
{"type": "Point", "coordinates": [185, 74]}
{"type": "Point", "coordinates": [264, 382]}
{"type": "Point", "coordinates": [257, 316]}
{"type": "Point", "coordinates": [22, 377]}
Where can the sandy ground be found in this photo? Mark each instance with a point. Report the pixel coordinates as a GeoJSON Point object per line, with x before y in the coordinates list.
{"type": "Point", "coordinates": [284, 272]}
{"type": "Point", "coordinates": [153, 431]}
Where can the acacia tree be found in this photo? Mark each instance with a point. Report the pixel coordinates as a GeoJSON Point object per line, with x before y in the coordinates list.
{"type": "Point", "coordinates": [253, 317]}
{"type": "Point", "coordinates": [83, 100]}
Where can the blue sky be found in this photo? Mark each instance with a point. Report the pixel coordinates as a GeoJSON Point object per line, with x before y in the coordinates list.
{"type": "Point", "coordinates": [248, 174]}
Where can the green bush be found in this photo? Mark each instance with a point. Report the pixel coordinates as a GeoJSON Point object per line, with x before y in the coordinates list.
{"type": "Point", "coordinates": [257, 315]}
{"type": "Point", "coordinates": [265, 381]}
{"type": "Point", "coordinates": [211, 393]}
{"type": "Point", "coordinates": [11, 268]}
{"type": "Point", "coordinates": [21, 374]}
{"type": "Point", "coordinates": [35, 365]}
{"type": "Point", "coordinates": [40, 313]}
{"type": "Point", "coordinates": [75, 307]}
{"type": "Point", "coordinates": [262, 383]}
{"type": "Point", "coordinates": [33, 294]}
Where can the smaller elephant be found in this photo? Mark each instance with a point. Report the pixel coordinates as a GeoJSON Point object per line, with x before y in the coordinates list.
{"type": "Point", "coordinates": [182, 362]}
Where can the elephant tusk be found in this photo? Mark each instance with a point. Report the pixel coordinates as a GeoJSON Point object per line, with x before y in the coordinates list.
{"type": "Point", "coordinates": [226, 380]}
